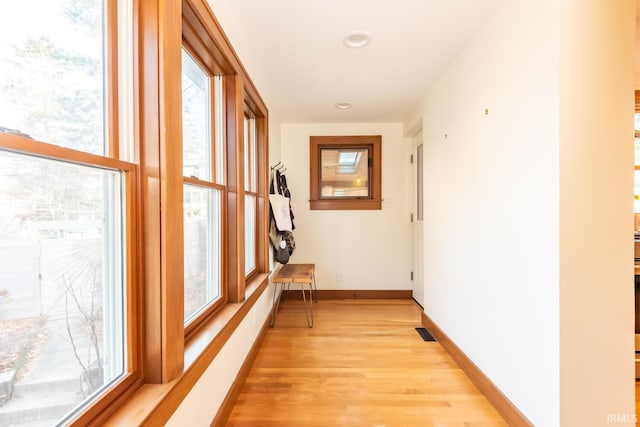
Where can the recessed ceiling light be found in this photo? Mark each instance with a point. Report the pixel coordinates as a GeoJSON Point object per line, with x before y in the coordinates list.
{"type": "Point", "coordinates": [357, 39]}
{"type": "Point", "coordinates": [343, 105]}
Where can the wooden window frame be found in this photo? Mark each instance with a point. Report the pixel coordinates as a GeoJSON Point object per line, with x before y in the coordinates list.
{"type": "Point", "coordinates": [103, 405]}
{"type": "Point", "coordinates": [249, 114]}
{"type": "Point", "coordinates": [371, 142]}
{"type": "Point", "coordinates": [211, 307]}
{"type": "Point", "coordinates": [129, 381]}
{"type": "Point", "coordinates": [165, 359]}
{"type": "Point", "coordinates": [132, 376]}
{"type": "Point", "coordinates": [201, 33]}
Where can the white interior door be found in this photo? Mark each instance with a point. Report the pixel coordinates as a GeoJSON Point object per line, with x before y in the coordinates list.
{"type": "Point", "coordinates": [418, 218]}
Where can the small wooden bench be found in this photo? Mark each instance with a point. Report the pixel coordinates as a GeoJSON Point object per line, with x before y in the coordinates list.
{"type": "Point", "coordinates": [304, 274]}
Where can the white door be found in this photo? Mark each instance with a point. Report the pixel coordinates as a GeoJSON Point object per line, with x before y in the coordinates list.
{"type": "Point", "coordinates": [418, 217]}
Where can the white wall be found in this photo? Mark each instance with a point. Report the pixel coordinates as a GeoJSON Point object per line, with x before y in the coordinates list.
{"type": "Point", "coordinates": [491, 204]}
{"type": "Point", "coordinates": [275, 139]}
{"type": "Point", "coordinates": [528, 207]}
{"type": "Point", "coordinates": [369, 249]}
{"type": "Point", "coordinates": [597, 44]}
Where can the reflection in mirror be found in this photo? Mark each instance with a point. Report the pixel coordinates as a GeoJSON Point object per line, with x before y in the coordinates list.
{"type": "Point", "coordinates": [344, 172]}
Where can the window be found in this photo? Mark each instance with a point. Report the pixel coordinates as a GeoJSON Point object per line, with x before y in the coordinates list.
{"type": "Point", "coordinates": [121, 204]}
{"type": "Point", "coordinates": [61, 246]}
{"type": "Point", "coordinates": [53, 70]}
{"type": "Point", "coordinates": [202, 160]}
{"type": "Point", "coordinates": [250, 195]}
{"type": "Point", "coordinates": [345, 172]}
{"type": "Point", "coordinates": [238, 155]}
{"type": "Point", "coordinates": [196, 120]}
{"type": "Point", "coordinates": [67, 293]}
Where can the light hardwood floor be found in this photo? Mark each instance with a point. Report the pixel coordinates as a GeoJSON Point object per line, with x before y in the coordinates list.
{"type": "Point", "coordinates": [362, 364]}
{"type": "Point", "coordinates": [637, 402]}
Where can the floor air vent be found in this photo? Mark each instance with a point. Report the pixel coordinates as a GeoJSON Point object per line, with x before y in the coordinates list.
{"type": "Point", "coordinates": [425, 334]}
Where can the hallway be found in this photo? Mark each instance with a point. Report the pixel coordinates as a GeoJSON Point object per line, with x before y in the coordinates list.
{"type": "Point", "coordinates": [362, 364]}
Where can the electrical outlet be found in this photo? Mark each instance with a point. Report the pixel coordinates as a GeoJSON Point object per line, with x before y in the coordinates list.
{"type": "Point", "coordinates": [338, 277]}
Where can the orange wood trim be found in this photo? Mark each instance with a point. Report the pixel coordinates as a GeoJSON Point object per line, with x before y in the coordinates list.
{"type": "Point", "coordinates": [159, 39]}
{"type": "Point", "coordinates": [376, 190]}
{"type": "Point", "coordinates": [235, 186]}
{"type": "Point", "coordinates": [133, 284]}
{"type": "Point", "coordinates": [113, 133]}
{"type": "Point", "coordinates": [202, 318]}
{"type": "Point", "coordinates": [262, 235]}
{"type": "Point", "coordinates": [148, 130]}
{"type": "Point", "coordinates": [138, 82]}
{"type": "Point", "coordinates": [372, 142]}
{"type": "Point", "coordinates": [171, 197]}
{"type": "Point", "coordinates": [345, 205]}
{"type": "Point", "coordinates": [222, 416]}
{"type": "Point", "coordinates": [213, 152]}
{"type": "Point", "coordinates": [194, 28]}
{"type": "Point", "coordinates": [256, 266]}
{"type": "Point", "coordinates": [98, 414]}
{"type": "Point", "coordinates": [231, 259]}
{"type": "Point", "coordinates": [224, 245]}
{"type": "Point", "coordinates": [201, 48]}
{"type": "Point", "coordinates": [21, 144]}
{"type": "Point", "coordinates": [251, 139]}
{"type": "Point", "coordinates": [202, 11]}
{"type": "Point", "coordinates": [503, 405]}
{"type": "Point", "coordinates": [201, 183]}
{"type": "Point", "coordinates": [314, 170]}
{"type": "Point", "coordinates": [137, 269]}
{"type": "Point", "coordinates": [262, 260]}
{"type": "Point", "coordinates": [252, 109]}
{"type": "Point", "coordinates": [637, 96]}
{"type": "Point", "coordinates": [153, 404]}
{"type": "Point", "coordinates": [336, 294]}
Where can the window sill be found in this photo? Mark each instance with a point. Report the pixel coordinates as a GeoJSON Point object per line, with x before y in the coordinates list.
{"type": "Point", "coordinates": [350, 204]}
{"type": "Point", "coordinates": [154, 404]}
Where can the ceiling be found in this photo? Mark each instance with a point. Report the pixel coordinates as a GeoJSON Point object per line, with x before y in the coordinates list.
{"type": "Point", "coordinates": [294, 52]}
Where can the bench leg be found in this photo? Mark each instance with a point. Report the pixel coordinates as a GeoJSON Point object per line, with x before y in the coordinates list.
{"type": "Point", "coordinates": [308, 312]}
{"type": "Point", "coordinates": [315, 289]}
